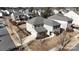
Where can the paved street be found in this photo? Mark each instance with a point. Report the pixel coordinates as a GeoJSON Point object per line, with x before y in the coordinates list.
{"type": "Point", "coordinates": [76, 48]}
{"type": "Point", "coordinates": [5, 41]}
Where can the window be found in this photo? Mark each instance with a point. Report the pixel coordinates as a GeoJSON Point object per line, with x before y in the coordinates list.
{"type": "Point", "coordinates": [69, 21]}
{"type": "Point", "coordinates": [35, 26]}
{"type": "Point", "coordinates": [55, 27]}
{"type": "Point", "coordinates": [41, 24]}
{"type": "Point", "coordinates": [58, 26]}
{"type": "Point", "coordinates": [38, 25]}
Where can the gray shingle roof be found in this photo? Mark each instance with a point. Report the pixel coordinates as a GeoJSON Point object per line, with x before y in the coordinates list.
{"type": "Point", "coordinates": [77, 12]}
{"type": "Point", "coordinates": [37, 20]}
{"type": "Point", "coordinates": [60, 17]}
{"type": "Point", "coordinates": [40, 29]}
{"type": "Point", "coordinates": [51, 22]}
{"type": "Point", "coordinates": [41, 20]}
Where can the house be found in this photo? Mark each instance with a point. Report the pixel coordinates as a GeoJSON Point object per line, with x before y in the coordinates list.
{"type": "Point", "coordinates": [14, 16]}
{"type": "Point", "coordinates": [35, 27]}
{"type": "Point", "coordinates": [55, 11]}
{"type": "Point", "coordinates": [51, 26]}
{"type": "Point", "coordinates": [6, 12]}
{"type": "Point", "coordinates": [28, 13]}
{"type": "Point", "coordinates": [74, 15]}
{"type": "Point", "coordinates": [40, 26]}
{"type": "Point", "coordinates": [63, 20]}
{"type": "Point", "coordinates": [18, 16]}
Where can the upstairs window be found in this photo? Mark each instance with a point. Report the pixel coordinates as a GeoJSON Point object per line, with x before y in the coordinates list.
{"type": "Point", "coordinates": [69, 22]}
{"type": "Point", "coordinates": [55, 27]}
{"type": "Point", "coordinates": [38, 25]}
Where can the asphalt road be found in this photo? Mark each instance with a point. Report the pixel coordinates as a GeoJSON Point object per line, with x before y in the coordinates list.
{"type": "Point", "coordinates": [6, 42]}
{"type": "Point", "coordinates": [76, 48]}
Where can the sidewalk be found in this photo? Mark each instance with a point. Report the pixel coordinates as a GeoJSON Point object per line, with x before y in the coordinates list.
{"type": "Point", "coordinates": [28, 39]}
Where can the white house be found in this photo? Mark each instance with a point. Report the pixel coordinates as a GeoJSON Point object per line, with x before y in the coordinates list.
{"type": "Point", "coordinates": [5, 12]}
{"type": "Point", "coordinates": [55, 11]}
{"type": "Point", "coordinates": [51, 26]}
{"type": "Point", "coordinates": [18, 16]}
{"type": "Point", "coordinates": [15, 16]}
{"type": "Point", "coordinates": [28, 13]}
{"type": "Point", "coordinates": [63, 20]}
{"type": "Point", "coordinates": [35, 26]}
{"type": "Point", "coordinates": [74, 16]}
{"type": "Point", "coordinates": [40, 26]}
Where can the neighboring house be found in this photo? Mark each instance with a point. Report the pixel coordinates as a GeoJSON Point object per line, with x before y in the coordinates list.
{"type": "Point", "coordinates": [55, 11]}
{"type": "Point", "coordinates": [18, 16]}
{"type": "Point", "coordinates": [15, 16]}
{"type": "Point", "coordinates": [74, 16]}
{"type": "Point", "coordinates": [6, 12]}
{"type": "Point", "coordinates": [28, 14]}
{"type": "Point", "coordinates": [63, 20]}
{"type": "Point", "coordinates": [35, 27]}
{"type": "Point", "coordinates": [40, 11]}
{"type": "Point", "coordinates": [51, 26]}
{"type": "Point", "coordinates": [37, 12]}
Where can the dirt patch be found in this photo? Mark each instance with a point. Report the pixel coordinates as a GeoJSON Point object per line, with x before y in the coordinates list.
{"type": "Point", "coordinates": [39, 45]}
